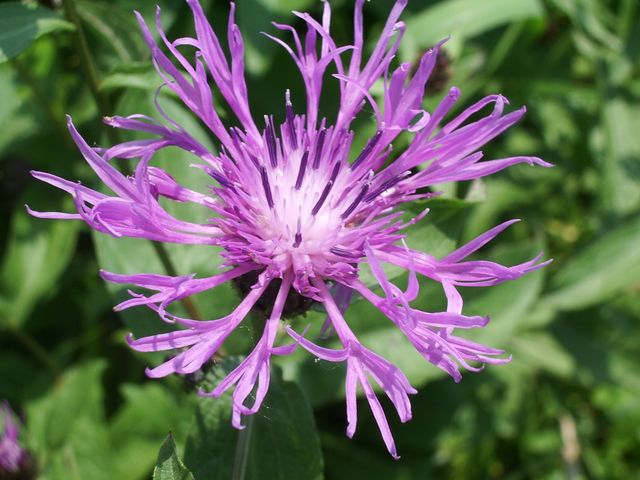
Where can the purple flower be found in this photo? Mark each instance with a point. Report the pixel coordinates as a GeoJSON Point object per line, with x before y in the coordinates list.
{"type": "Point", "coordinates": [13, 458]}
{"type": "Point", "coordinates": [294, 214]}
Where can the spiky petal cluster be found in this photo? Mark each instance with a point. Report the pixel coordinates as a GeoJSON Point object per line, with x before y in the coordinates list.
{"type": "Point", "coordinates": [291, 206]}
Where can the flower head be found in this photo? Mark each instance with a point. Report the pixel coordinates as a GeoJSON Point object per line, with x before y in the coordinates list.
{"type": "Point", "coordinates": [13, 457]}
{"type": "Point", "coordinates": [293, 213]}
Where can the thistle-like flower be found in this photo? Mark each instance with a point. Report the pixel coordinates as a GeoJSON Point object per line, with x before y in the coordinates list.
{"type": "Point", "coordinates": [294, 213]}
{"type": "Point", "coordinates": [14, 459]}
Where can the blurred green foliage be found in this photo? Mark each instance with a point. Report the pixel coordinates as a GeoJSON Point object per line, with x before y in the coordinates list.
{"type": "Point", "coordinates": [567, 406]}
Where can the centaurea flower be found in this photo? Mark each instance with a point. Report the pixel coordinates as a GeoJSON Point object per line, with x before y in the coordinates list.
{"type": "Point", "coordinates": [14, 459]}
{"type": "Point", "coordinates": [294, 213]}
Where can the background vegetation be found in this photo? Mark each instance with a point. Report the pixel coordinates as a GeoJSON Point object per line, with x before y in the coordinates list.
{"type": "Point", "coordinates": [568, 406]}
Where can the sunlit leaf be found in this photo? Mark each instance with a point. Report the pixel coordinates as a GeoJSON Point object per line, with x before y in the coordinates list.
{"type": "Point", "coordinates": [279, 442]}
{"type": "Point", "coordinates": [608, 265]}
{"type": "Point", "coordinates": [621, 165]}
{"type": "Point", "coordinates": [67, 427]}
{"type": "Point", "coordinates": [21, 24]}
{"type": "Point", "coordinates": [464, 18]}
{"type": "Point", "coordinates": [37, 254]}
{"type": "Point", "coordinates": [150, 411]}
{"type": "Point", "coordinates": [169, 465]}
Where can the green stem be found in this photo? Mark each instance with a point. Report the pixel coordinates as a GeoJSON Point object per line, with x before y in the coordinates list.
{"type": "Point", "coordinates": [38, 351]}
{"type": "Point", "coordinates": [502, 48]}
{"type": "Point", "coordinates": [168, 266]}
{"type": "Point", "coordinates": [243, 444]}
{"type": "Point", "coordinates": [88, 64]}
{"type": "Point", "coordinates": [626, 18]}
{"type": "Point", "coordinates": [104, 107]}
{"type": "Point", "coordinates": [241, 457]}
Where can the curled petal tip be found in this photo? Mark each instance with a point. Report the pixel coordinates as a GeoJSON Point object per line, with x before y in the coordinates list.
{"type": "Point", "coordinates": [238, 425]}
{"type": "Point", "coordinates": [542, 163]}
{"type": "Point", "coordinates": [203, 393]}
{"type": "Point", "coordinates": [129, 339]}
{"type": "Point", "coordinates": [104, 274]}
{"type": "Point", "coordinates": [351, 430]}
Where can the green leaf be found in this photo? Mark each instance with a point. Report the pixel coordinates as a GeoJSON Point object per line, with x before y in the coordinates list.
{"type": "Point", "coordinates": [149, 412]}
{"type": "Point", "coordinates": [67, 427]}
{"type": "Point", "coordinates": [169, 465]}
{"type": "Point", "coordinates": [21, 24]}
{"type": "Point", "coordinates": [37, 254]}
{"type": "Point", "coordinates": [254, 17]}
{"type": "Point", "coordinates": [285, 7]}
{"type": "Point", "coordinates": [464, 19]}
{"type": "Point", "coordinates": [610, 264]}
{"type": "Point", "coordinates": [279, 442]}
{"type": "Point", "coordinates": [620, 170]}
{"type": "Point", "coordinates": [540, 350]}
{"type": "Point", "coordinates": [114, 24]}
{"type": "Point", "coordinates": [132, 75]}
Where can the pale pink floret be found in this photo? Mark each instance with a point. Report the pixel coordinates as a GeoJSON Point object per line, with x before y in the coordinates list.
{"type": "Point", "coordinates": [290, 205]}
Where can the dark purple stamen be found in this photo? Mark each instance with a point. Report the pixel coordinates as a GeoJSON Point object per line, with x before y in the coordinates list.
{"type": "Point", "coordinates": [385, 186]}
{"type": "Point", "coordinates": [219, 178]}
{"type": "Point", "coordinates": [319, 145]}
{"type": "Point", "coordinates": [290, 122]}
{"type": "Point", "coordinates": [356, 201]}
{"type": "Point", "coordinates": [235, 139]}
{"type": "Point", "coordinates": [323, 197]}
{"type": "Point", "coordinates": [297, 240]}
{"type": "Point", "coordinates": [270, 133]}
{"type": "Point", "coordinates": [367, 149]}
{"type": "Point", "coordinates": [303, 167]}
{"type": "Point", "coordinates": [265, 185]}
{"type": "Point", "coordinates": [341, 252]}
{"type": "Point", "coordinates": [239, 214]}
{"type": "Point", "coordinates": [334, 173]}
{"type": "Point", "coordinates": [255, 162]}
{"type": "Point", "coordinates": [343, 138]}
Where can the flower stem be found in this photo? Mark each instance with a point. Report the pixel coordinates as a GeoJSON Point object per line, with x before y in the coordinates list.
{"type": "Point", "coordinates": [104, 108]}
{"type": "Point", "coordinates": [88, 64]}
{"type": "Point", "coordinates": [243, 445]}
{"type": "Point", "coordinates": [168, 266]}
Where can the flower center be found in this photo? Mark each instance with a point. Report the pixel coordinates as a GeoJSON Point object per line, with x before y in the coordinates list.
{"type": "Point", "coordinates": [295, 304]}
{"type": "Point", "coordinates": [299, 216]}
